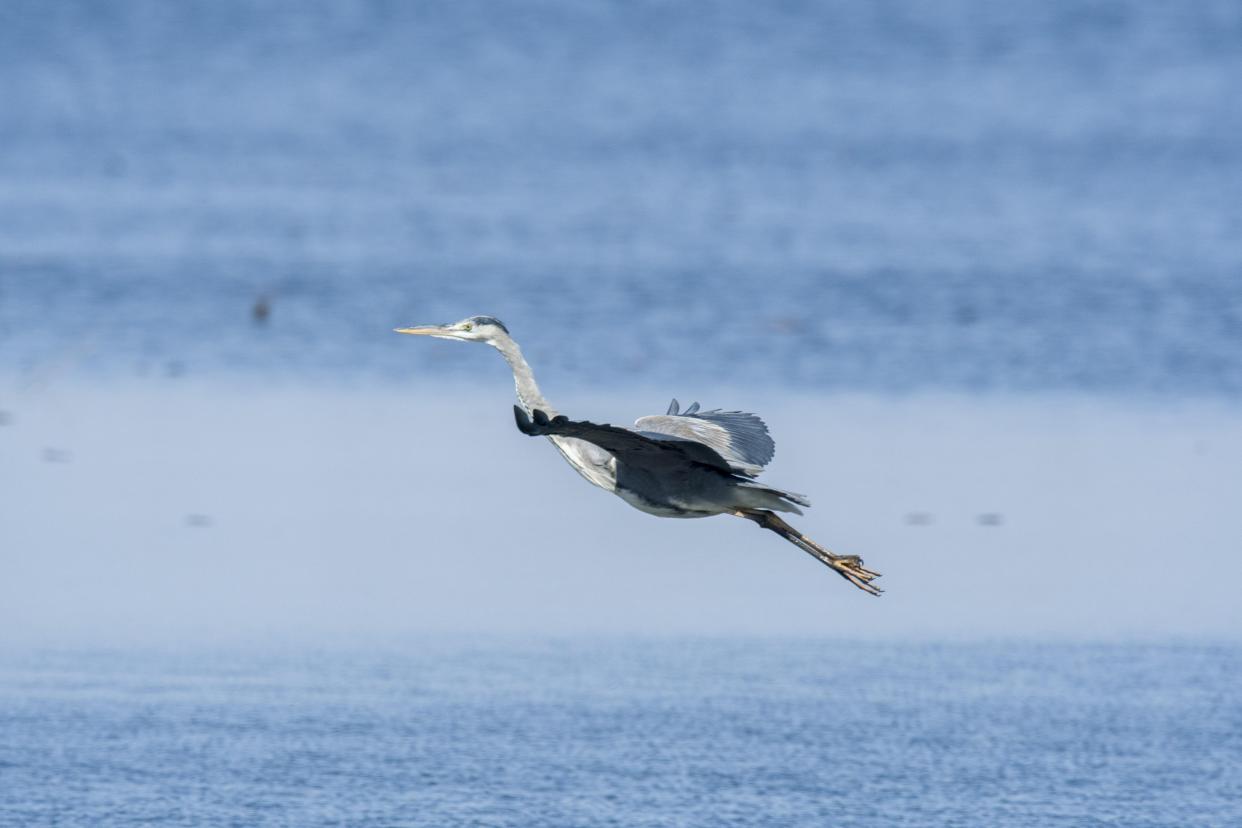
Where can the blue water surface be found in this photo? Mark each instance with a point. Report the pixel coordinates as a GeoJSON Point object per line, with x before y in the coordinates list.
{"type": "Point", "coordinates": [625, 732]}
{"type": "Point", "coordinates": [899, 195]}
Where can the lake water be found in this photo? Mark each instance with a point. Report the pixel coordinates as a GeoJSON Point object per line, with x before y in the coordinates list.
{"type": "Point", "coordinates": [625, 732]}
{"type": "Point", "coordinates": [795, 203]}
{"type": "Point", "coordinates": [825, 195]}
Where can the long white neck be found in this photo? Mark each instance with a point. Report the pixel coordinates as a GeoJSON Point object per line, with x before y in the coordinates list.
{"type": "Point", "coordinates": [592, 462]}
{"type": "Point", "coordinates": [528, 393]}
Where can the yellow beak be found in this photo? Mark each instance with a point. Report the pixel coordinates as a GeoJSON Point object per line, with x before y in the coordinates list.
{"type": "Point", "coordinates": [426, 330]}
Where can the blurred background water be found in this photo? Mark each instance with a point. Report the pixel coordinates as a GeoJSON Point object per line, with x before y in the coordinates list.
{"type": "Point", "coordinates": [895, 195]}
{"type": "Point", "coordinates": [799, 201]}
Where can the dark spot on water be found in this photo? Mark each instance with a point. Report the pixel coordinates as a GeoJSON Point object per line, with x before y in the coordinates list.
{"type": "Point", "coordinates": [6, 418]}
{"type": "Point", "coordinates": [788, 325]}
{"type": "Point", "coordinates": [198, 521]}
{"type": "Point", "coordinates": [990, 519]}
{"type": "Point", "coordinates": [55, 455]}
{"type": "Point", "coordinates": [261, 311]}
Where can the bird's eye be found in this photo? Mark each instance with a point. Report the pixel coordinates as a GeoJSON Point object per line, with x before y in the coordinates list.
{"type": "Point", "coordinates": [467, 327]}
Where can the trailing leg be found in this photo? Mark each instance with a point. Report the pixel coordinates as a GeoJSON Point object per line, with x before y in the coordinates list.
{"type": "Point", "coordinates": [848, 567]}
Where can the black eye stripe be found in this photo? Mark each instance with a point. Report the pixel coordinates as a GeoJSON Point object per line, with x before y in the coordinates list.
{"type": "Point", "coordinates": [490, 320]}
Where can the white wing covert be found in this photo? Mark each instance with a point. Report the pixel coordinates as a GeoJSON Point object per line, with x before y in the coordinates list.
{"type": "Point", "coordinates": [740, 438]}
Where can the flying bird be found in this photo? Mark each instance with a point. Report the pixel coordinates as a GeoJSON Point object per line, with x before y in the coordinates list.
{"type": "Point", "coordinates": [685, 464]}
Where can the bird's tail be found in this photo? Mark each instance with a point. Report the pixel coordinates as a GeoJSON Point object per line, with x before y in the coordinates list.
{"type": "Point", "coordinates": [759, 496]}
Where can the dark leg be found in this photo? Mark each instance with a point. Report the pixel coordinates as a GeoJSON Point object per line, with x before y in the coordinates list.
{"type": "Point", "coordinates": [848, 567]}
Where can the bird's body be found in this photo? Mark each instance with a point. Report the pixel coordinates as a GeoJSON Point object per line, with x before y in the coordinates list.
{"type": "Point", "coordinates": [663, 473]}
{"type": "Point", "coordinates": [680, 464]}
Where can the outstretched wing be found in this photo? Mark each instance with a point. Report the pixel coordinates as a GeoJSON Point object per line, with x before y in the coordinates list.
{"type": "Point", "coordinates": [620, 441]}
{"type": "Point", "coordinates": [741, 439]}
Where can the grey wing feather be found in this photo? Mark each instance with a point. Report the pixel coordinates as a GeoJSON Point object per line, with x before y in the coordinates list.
{"type": "Point", "coordinates": [740, 438]}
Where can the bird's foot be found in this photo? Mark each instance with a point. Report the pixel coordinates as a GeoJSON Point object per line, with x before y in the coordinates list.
{"type": "Point", "coordinates": [850, 567]}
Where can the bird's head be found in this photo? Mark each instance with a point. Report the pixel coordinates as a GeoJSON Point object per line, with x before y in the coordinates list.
{"type": "Point", "coordinates": [473, 329]}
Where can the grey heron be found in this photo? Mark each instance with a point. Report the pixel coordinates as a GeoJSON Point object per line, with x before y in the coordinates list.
{"type": "Point", "coordinates": [685, 464]}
